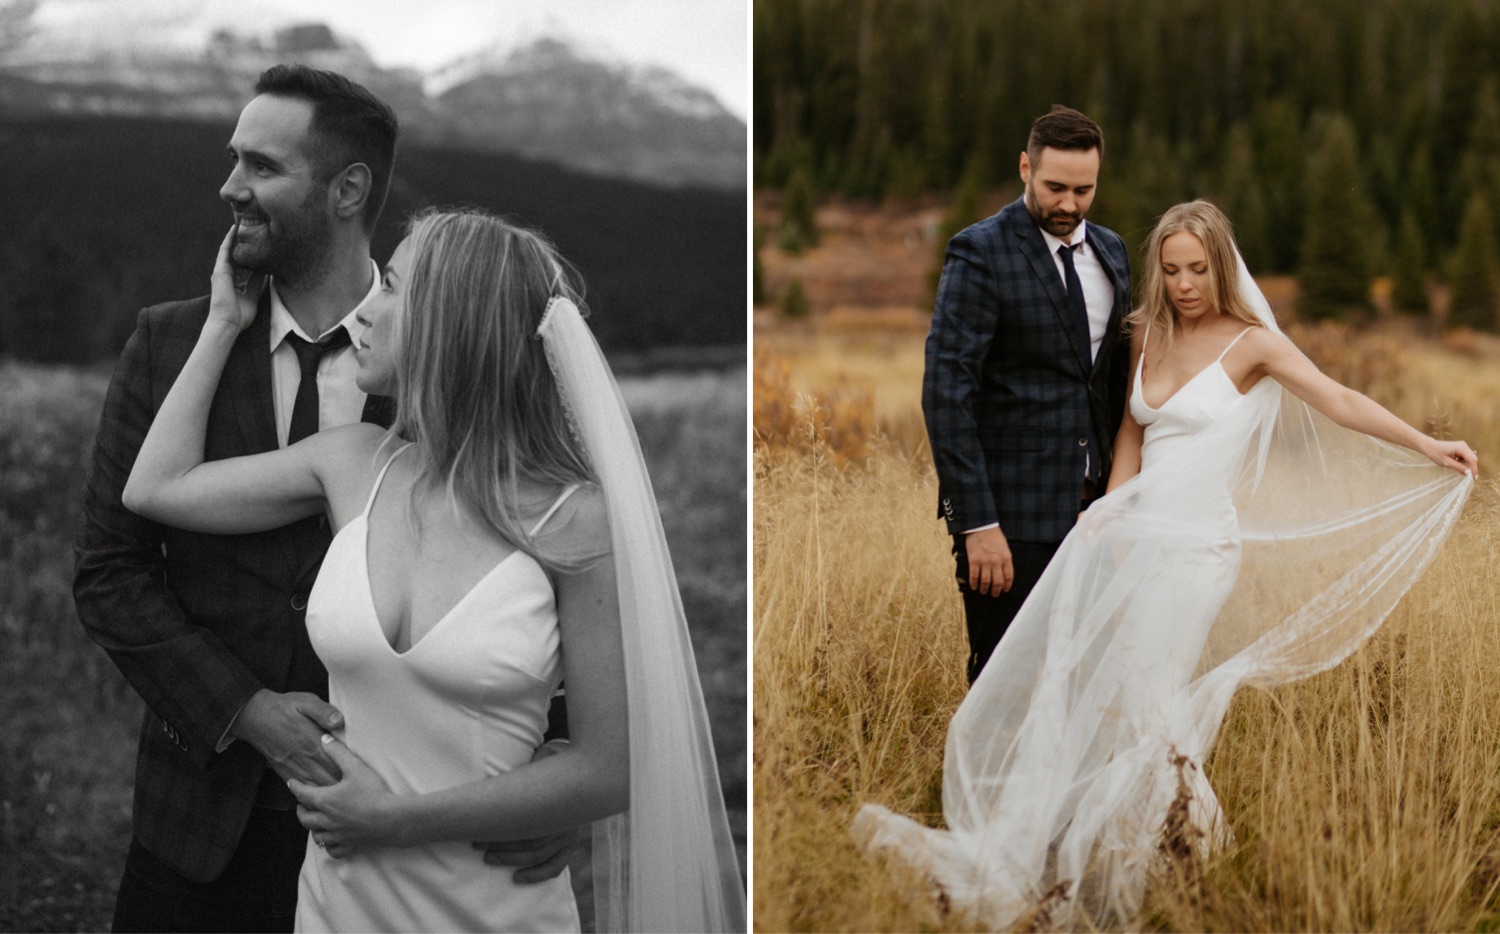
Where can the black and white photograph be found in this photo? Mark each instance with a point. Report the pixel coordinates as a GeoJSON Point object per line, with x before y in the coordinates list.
{"type": "Point", "coordinates": [373, 486]}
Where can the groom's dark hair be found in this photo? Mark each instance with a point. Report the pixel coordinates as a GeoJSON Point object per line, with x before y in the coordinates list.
{"type": "Point", "coordinates": [349, 125]}
{"type": "Point", "coordinates": [1064, 128]}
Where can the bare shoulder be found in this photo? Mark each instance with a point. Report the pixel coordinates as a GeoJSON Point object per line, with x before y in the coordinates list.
{"type": "Point", "coordinates": [354, 442]}
{"type": "Point", "coordinates": [578, 530]}
{"type": "Point", "coordinates": [1259, 343]}
{"type": "Point", "coordinates": [583, 513]}
{"type": "Point", "coordinates": [348, 458]}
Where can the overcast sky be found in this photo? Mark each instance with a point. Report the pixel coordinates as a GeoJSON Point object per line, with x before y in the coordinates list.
{"type": "Point", "coordinates": [706, 41]}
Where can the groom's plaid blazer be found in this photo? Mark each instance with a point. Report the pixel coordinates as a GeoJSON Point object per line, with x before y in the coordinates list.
{"type": "Point", "coordinates": [197, 623]}
{"type": "Point", "coordinates": [1008, 394]}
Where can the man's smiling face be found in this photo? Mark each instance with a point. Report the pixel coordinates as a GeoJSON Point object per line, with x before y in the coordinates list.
{"type": "Point", "coordinates": [280, 198]}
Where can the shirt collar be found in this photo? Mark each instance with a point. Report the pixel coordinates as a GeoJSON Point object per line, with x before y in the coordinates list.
{"type": "Point", "coordinates": [1080, 236]}
{"type": "Point", "coordinates": [282, 322]}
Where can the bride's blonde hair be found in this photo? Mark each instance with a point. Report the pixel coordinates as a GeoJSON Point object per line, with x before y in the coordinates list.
{"type": "Point", "coordinates": [474, 389]}
{"type": "Point", "coordinates": [1206, 222]}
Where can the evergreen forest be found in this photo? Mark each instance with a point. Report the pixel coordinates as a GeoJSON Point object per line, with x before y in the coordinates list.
{"type": "Point", "coordinates": [105, 215]}
{"type": "Point", "coordinates": [1346, 139]}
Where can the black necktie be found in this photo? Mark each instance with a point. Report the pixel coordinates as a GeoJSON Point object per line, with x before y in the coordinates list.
{"type": "Point", "coordinates": [1080, 312]}
{"type": "Point", "coordinates": [1076, 305]}
{"type": "Point", "coordinates": [305, 408]}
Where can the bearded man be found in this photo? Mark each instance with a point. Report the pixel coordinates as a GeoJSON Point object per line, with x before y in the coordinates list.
{"type": "Point", "coordinates": [1024, 387]}
{"type": "Point", "coordinates": [209, 629]}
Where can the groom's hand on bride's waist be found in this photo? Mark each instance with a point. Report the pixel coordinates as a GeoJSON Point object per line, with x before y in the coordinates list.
{"type": "Point", "coordinates": [540, 858]}
{"type": "Point", "coordinates": [535, 860]}
{"type": "Point", "coordinates": [288, 730]}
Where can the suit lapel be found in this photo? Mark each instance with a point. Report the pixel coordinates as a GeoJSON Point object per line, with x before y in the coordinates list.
{"type": "Point", "coordinates": [1045, 267]}
{"type": "Point", "coordinates": [247, 380]}
{"type": "Point", "coordinates": [1114, 266]}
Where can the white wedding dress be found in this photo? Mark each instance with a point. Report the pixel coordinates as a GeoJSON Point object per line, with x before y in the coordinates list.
{"type": "Point", "coordinates": [470, 698]}
{"type": "Point", "coordinates": [1260, 543]}
{"type": "Point", "coordinates": [467, 701]}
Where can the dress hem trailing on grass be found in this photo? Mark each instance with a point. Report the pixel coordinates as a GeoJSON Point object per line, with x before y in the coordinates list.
{"type": "Point", "coordinates": [1261, 548]}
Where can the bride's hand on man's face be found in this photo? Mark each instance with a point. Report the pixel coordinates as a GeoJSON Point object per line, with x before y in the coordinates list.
{"type": "Point", "coordinates": [352, 814]}
{"type": "Point", "coordinates": [1455, 455]}
{"type": "Point", "coordinates": [229, 301]}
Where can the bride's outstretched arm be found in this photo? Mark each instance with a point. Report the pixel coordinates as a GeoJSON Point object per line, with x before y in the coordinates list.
{"type": "Point", "coordinates": [1275, 356]}
{"type": "Point", "coordinates": [170, 483]}
{"type": "Point", "coordinates": [584, 782]}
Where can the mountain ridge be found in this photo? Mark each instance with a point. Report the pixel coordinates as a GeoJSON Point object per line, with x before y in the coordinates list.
{"type": "Point", "coordinates": [544, 100]}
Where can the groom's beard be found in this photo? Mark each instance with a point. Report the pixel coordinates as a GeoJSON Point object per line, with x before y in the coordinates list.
{"type": "Point", "coordinates": [1060, 224]}
{"type": "Point", "coordinates": [292, 246]}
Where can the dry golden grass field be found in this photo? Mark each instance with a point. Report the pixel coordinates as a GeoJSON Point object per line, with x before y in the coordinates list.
{"type": "Point", "coordinates": [1366, 798]}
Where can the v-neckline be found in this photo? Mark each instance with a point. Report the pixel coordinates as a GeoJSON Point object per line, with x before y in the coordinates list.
{"type": "Point", "coordinates": [1140, 372]}
{"type": "Point", "coordinates": [364, 551]}
{"type": "Point", "coordinates": [441, 620]}
{"type": "Point", "coordinates": [1141, 382]}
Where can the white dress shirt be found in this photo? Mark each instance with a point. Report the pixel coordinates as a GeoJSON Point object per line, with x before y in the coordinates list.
{"type": "Point", "coordinates": [340, 402]}
{"type": "Point", "coordinates": [1098, 291]}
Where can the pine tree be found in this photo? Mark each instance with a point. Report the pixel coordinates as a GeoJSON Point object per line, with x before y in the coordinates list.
{"type": "Point", "coordinates": [1335, 267]}
{"type": "Point", "coordinates": [799, 225]}
{"type": "Point", "coordinates": [1409, 278]}
{"type": "Point", "coordinates": [1281, 166]}
{"type": "Point", "coordinates": [1421, 197]}
{"type": "Point", "coordinates": [1475, 280]}
{"type": "Point", "coordinates": [1243, 200]}
{"type": "Point", "coordinates": [963, 210]}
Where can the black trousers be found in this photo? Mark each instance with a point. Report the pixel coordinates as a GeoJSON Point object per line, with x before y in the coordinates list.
{"type": "Point", "coordinates": [988, 617]}
{"type": "Point", "coordinates": [256, 892]}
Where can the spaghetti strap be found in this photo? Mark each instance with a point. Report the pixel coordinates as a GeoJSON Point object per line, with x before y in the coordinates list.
{"type": "Point", "coordinates": [381, 477]}
{"type": "Point", "coordinates": [572, 488]}
{"type": "Point", "coordinates": [1140, 362]}
{"type": "Point", "coordinates": [1235, 341]}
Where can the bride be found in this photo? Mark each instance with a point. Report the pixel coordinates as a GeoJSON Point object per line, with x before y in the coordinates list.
{"type": "Point", "coordinates": [1259, 525]}
{"type": "Point", "coordinates": [502, 535]}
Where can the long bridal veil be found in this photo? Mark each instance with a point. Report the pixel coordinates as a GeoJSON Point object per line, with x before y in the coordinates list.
{"type": "Point", "coordinates": [668, 863]}
{"type": "Point", "coordinates": [1267, 549]}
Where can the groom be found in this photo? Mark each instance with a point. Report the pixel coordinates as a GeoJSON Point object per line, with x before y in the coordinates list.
{"type": "Point", "coordinates": [209, 629]}
{"type": "Point", "coordinates": [1024, 386]}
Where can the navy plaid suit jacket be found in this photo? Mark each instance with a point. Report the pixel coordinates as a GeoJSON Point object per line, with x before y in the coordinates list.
{"type": "Point", "coordinates": [197, 623]}
{"type": "Point", "coordinates": [1008, 396]}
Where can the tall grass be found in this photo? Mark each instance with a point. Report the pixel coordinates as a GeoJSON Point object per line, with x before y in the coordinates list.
{"type": "Point", "coordinates": [67, 749]}
{"type": "Point", "coordinates": [1366, 798]}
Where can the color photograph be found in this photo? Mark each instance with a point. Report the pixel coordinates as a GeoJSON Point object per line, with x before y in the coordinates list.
{"type": "Point", "coordinates": [1124, 382]}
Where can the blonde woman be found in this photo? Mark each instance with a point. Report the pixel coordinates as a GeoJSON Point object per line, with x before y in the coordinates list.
{"type": "Point", "coordinates": [499, 539]}
{"type": "Point", "coordinates": [1260, 523]}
